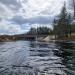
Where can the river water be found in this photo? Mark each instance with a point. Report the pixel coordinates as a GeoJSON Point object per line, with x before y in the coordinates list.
{"type": "Point", "coordinates": [37, 58]}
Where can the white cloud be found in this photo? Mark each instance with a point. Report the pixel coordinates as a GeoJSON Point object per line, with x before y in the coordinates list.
{"type": "Point", "coordinates": [31, 8]}
{"type": "Point", "coordinates": [10, 28]}
{"type": "Point", "coordinates": [34, 8]}
{"type": "Point", "coordinates": [5, 12]}
{"type": "Point", "coordinates": [38, 25]}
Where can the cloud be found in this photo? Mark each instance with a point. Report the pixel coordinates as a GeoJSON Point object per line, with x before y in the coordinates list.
{"type": "Point", "coordinates": [37, 20]}
{"type": "Point", "coordinates": [31, 8]}
{"type": "Point", "coordinates": [17, 16]}
{"type": "Point", "coordinates": [45, 25]}
{"type": "Point", "coordinates": [5, 12]}
{"type": "Point", "coordinates": [34, 8]}
{"type": "Point", "coordinates": [10, 28]}
{"type": "Point", "coordinates": [13, 4]}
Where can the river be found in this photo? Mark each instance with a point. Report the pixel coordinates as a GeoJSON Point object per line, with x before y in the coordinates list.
{"type": "Point", "coordinates": [37, 58]}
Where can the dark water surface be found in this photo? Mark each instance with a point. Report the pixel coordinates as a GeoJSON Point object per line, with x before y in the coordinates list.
{"type": "Point", "coordinates": [41, 58]}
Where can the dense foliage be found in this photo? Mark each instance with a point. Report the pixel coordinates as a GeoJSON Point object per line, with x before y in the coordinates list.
{"type": "Point", "coordinates": [40, 30]}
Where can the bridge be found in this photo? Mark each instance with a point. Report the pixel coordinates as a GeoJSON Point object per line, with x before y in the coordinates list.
{"type": "Point", "coordinates": [32, 37]}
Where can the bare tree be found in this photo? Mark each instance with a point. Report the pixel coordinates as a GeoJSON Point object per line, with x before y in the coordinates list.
{"type": "Point", "coordinates": [72, 6]}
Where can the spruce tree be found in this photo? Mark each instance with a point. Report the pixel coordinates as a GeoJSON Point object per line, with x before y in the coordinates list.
{"type": "Point", "coordinates": [63, 23]}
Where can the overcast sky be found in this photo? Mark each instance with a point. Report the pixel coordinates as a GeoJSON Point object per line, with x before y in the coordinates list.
{"type": "Point", "coordinates": [17, 16]}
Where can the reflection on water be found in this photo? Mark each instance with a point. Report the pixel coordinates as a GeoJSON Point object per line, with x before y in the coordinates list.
{"type": "Point", "coordinates": [29, 58]}
{"type": "Point", "coordinates": [67, 53]}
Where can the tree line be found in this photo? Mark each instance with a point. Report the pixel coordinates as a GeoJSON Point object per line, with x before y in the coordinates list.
{"type": "Point", "coordinates": [40, 31]}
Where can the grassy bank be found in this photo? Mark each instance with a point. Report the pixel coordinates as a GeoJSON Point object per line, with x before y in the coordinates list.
{"type": "Point", "coordinates": [69, 38]}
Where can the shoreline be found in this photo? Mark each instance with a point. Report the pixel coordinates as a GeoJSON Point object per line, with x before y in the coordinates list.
{"type": "Point", "coordinates": [52, 39]}
{"type": "Point", "coordinates": [49, 38]}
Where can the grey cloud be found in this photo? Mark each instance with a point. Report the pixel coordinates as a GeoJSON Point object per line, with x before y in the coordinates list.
{"type": "Point", "coordinates": [10, 3]}
{"type": "Point", "coordinates": [36, 20]}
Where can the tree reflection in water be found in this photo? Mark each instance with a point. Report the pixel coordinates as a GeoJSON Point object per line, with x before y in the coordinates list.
{"type": "Point", "coordinates": [67, 52]}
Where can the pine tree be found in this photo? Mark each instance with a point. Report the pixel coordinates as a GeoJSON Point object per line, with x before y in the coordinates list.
{"type": "Point", "coordinates": [63, 24]}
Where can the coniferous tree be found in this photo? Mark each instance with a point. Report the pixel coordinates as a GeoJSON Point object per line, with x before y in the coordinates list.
{"type": "Point", "coordinates": [63, 24]}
